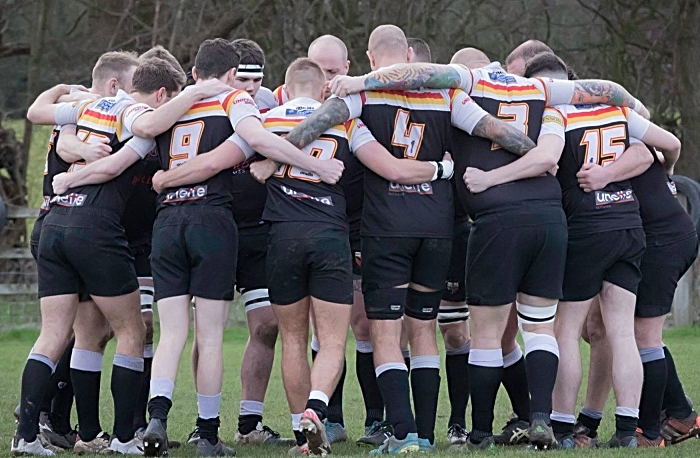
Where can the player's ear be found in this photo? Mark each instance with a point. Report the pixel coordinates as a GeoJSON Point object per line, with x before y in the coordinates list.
{"type": "Point", "coordinates": [410, 54]}
{"type": "Point", "coordinates": [194, 73]}
{"type": "Point", "coordinates": [161, 95]}
{"type": "Point", "coordinates": [347, 67]}
{"type": "Point", "coordinates": [113, 86]}
{"type": "Point", "coordinates": [231, 76]}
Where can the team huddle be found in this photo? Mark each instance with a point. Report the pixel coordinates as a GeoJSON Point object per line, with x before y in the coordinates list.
{"type": "Point", "coordinates": [490, 201]}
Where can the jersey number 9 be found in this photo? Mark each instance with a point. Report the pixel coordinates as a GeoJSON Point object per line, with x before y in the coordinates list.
{"type": "Point", "coordinates": [184, 142]}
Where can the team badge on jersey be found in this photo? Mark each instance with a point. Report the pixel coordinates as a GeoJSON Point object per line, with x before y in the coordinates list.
{"type": "Point", "coordinates": [501, 77]}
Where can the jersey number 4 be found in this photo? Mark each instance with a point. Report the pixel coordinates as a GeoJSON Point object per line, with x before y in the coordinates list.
{"type": "Point", "coordinates": [184, 142]}
{"type": "Point", "coordinates": [604, 145]}
{"type": "Point", "coordinates": [323, 149]}
{"type": "Point", "coordinates": [408, 135]}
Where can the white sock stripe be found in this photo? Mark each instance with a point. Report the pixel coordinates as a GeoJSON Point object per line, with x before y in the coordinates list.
{"type": "Point", "coordinates": [148, 351]}
{"type": "Point", "coordinates": [651, 354]}
{"type": "Point", "coordinates": [364, 346]}
{"type": "Point", "coordinates": [208, 406]}
{"type": "Point", "coordinates": [146, 299]}
{"type": "Point", "coordinates": [134, 363]}
{"type": "Point", "coordinates": [257, 305]}
{"type": "Point", "coordinates": [162, 387]}
{"type": "Point", "coordinates": [425, 362]}
{"type": "Point", "coordinates": [406, 353]}
{"type": "Point", "coordinates": [315, 344]}
{"type": "Point", "coordinates": [147, 289]}
{"type": "Point", "coordinates": [251, 408]}
{"type": "Point", "coordinates": [86, 360]}
{"type": "Point", "coordinates": [319, 395]}
{"type": "Point", "coordinates": [486, 358]}
{"type": "Point", "coordinates": [512, 357]}
{"type": "Point", "coordinates": [627, 412]}
{"type": "Point", "coordinates": [42, 359]}
{"type": "Point", "coordinates": [463, 350]}
{"type": "Point", "coordinates": [540, 342]}
{"type": "Point", "coordinates": [562, 417]}
{"type": "Point", "coordinates": [296, 419]}
{"type": "Point", "coordinates": [253, 296]}
{"type": "Point", "coordinates": [390, 366]}
{"type": "Point", "coordinates": [594, 414]}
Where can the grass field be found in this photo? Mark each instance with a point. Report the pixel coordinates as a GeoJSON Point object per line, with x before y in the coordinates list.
{"type": "Point", "coordinates": [15, 345]}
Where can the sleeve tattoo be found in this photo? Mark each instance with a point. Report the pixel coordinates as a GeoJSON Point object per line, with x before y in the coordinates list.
{"type": "Point", "coordinates": [597, 91]}
{"type": "Point", "coordinates": [508, 137]}
{"type": "Point", "coordinates": [333, 112]}
{"type": "Point", "coordinates": [413, 76]}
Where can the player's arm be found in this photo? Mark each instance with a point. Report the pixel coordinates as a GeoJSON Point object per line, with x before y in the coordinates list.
{"type": "Point", "coordinates": [332, 112]}
{"type": "Point", "coordinates": [71, 149]}
{"type": "Point", "coordinates": [634, 161]}
{"type": "Point", "coordinates": [403, 171]}
{"type": "Point", "coordinates": [204, 166]}
{"type": "Point", "coordinates": [45, 108]}
{"type": "Point", "coordinates": [655, 136]}
{"type": "Point", "coordinates": [471, 118]}
{"type": "Point", "coordinates": [105, 169]}
{"type": "Point", "coordinates": [562, 92]}
{"type": "Point", "coordinates": [157, 121]}
{"type": "Point", "coordinates": [536, 162]}
{"type": "Point", "coordinates": [284, 152]}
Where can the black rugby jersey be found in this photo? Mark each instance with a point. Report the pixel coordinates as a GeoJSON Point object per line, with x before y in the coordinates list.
{"type": "Point", "coordinates": [411, 125]}
{"type": "Point", "coordinates": [299, 195]}
{"type": "Point", "coordinates": [206, 125]}
{"type": "Point", "coordinates": [111, 118]}
{"type": "Point", "coordinates": [514, 99]}
{"type": "Point", "coordinates": [597, 134]}
{"type": "Point", "coordinates": [53, 165]}
{"type": "Point", "coordinates": [140, 212]}
{"type": "Point", "coordinates": [663, 218]}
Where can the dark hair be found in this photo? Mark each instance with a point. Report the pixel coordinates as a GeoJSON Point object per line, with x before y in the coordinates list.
{"type": "Point", "coordinates": [153, 74]}
{"type": "Point", "coordinates": [249, 52]}
{"type": "Point", "coordinates": [159, 52]}
{"type": "Point", "coordinates": [214, 58]}
{"type": "Point", "coordinates": [421, 50]}
{"type": "Point", "coordinates": [544, 62]}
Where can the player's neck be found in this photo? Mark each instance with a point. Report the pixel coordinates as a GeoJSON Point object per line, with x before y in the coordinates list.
{"type": "Point", "coordinates": [388, 61]}
{"type": "Point", "coordinates": [304, 95]}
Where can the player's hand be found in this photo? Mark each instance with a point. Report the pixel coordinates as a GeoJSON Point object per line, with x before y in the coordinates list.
{"type": "Point", "coordinates": [476, 180]}
{"type": "Point", "coordinates": [158, 181]}
{"type": "Point", "coordinates": [60, 183]}
{"type": "Point", "coordinates": [211, 88]}
{"type": "Point", "coordinates": [329, 171]}
{"type": "Point", "coordinates": [262, 170]}
{"type": "Point", "coordinates": [592, 177]}
{"type": "Point", "coordinates": [96, 149]}
{"type": "Point", "coordinates": [343, 85]}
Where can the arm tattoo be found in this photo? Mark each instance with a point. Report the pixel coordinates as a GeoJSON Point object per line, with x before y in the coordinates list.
{"type": "Point", "coordinates": [597, 91]}
{"type": "Point", "coordinates": [414, 76]}
{"type": "Point", "coordinates": [331, 113]}
{"type": "Point", "coordinates": [508, 137]}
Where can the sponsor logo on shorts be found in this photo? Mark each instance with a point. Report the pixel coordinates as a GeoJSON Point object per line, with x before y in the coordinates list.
{"type": "Point", "coordinates": [606, 198]}
{"type": "Point", "coordinates": [326, 200]}
{"type": "Point", "coordinates": [672, 187]}
{"type": "Point", "coordinates": [184, 194]}
{"type": "Point", "coordinates": [452, 286]}
{"type": "Point", "coordinates": [427, 310]}
{"type": "Point", "coordinates": [423, 188]}
{"type": "Point", "coordinates": [395, 307]}
{"type": "Point", "coordinates": [69, 200]}
{"type": "Point", "coordinates": [46, 204]}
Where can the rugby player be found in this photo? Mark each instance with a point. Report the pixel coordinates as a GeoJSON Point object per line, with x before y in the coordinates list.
{"type": "Point", "coordinates": [401, 249]}
{"type": "Point", "coordinates": [516, 60]}
{"type": "Point", "coordinates": [113, 71]}
{"type": "Point", "coordinates": [483, 287]}
{"type": "Point", "coordinates": [250, 270]}
{"type": "Point", "coordinates": [201, 215]}
{"type": "Point", "coordinates": [104, 266]}
{"type": "Point", "coordinates": [599, 135]}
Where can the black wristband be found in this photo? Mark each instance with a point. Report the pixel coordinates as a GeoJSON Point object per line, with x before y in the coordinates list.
{"type": "Point", "coordinates": [439, 170]}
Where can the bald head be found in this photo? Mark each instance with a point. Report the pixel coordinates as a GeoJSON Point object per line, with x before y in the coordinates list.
{"type": "Point", "coordinates": [516, 60]}
{"type": "Point", "coordinates": [387, 46]}
{"type": "Point", "coordinates": [331, 54]}
{"type": "Point", "coordinates": [471, 58]}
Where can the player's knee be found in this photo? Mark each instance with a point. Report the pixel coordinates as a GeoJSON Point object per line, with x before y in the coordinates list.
{"type": "Point", "coordinates": [455, 336]}
{"type": "Point", "coordinates": [535, 325]}
{"type": "Point", "coordinates": [385, 304]}
{"type": "Point", "coordinates": [265, 334]}
{"type": "Point", "coordinates": [360, 327]}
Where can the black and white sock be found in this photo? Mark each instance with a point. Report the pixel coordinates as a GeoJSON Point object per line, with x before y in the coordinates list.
{"type": "Point", "coordinates": [425, 385]}
{"type": "Point", "coordinates": [655, 375]}
{"type": "Point", "coordinates": [542, 362]}
{"type": "Point", "coordinates": [127, 372]}
{"type": "Point", "coordinates": [675, 403]}
{"type": "Point", "coordinates": [371, 395]}
{"type": "Point", "coordinates": [35, 380]}
{"type": "Point", "coordinates": [515, 382]}
{"type": "Point", "coordinates": [249, 415]}
{"type": "Point", "coordinates": [485, 373]}
{"type": "Point", "coordinates": [86, 374]}
{"type": "Point", "coordinates": [392, 379]}
{"type": "Point", "coordinates": [457, 371]}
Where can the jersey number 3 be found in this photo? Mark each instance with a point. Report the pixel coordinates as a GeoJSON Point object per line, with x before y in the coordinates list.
{"type": "Point", "coordinates": [516, 113]}
{"type": "Point", "coordinates": [184, 142]}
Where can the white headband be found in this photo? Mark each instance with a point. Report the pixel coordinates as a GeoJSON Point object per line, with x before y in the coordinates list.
{"type": "Point", "coordinates": [251, 70]}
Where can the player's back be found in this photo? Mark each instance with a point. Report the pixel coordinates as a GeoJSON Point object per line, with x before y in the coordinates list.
{"type": "Point", "coordinates": [510, 98]}
{"type": "Point", "coordinates": [206, 125]}
{"type": "Point", "coordinates": [596, 134]}
{"type": "Point", "coordinates": [107, 118]}
{"type": "Point", "coordinates": [410, 125]}
{"type": "Point", "coordinates": [295, 194]}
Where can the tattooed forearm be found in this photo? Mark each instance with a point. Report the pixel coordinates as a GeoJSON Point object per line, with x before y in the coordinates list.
{"type": "Point", "coordinates": [333, 112]}
{"type": "Point", "coordinates": [413, 76]}
{"type": "Point", "coordinates": [508, 137]}
{"type": "Point", "coordinates": [598, 91]}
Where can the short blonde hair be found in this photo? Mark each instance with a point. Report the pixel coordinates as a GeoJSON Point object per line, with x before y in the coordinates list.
{"type": "Point", "coordinates": [304, 73]}
{"type": "Point", "coordinates": [114, 64]}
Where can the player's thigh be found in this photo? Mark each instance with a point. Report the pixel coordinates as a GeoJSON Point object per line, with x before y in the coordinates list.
{"type": "Point", "coordinates": [587, 258]}
{"type": "Point", "coordinates": [287, 265]}
{"type": "Point", "coordinates": [56, 274]}
{"type": "Point", "coordinates": [545, 274]}
{"type": "Point", "coordinates": [169, 262]}
{"type": "Point", "coordinates": [625, 272]}
{"type": "Point", "coordinates": [330, 269]}
{"type": "Point", "coordinates": [331, 320]}
{"type": "Point", "coordinates": [455, 284]}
